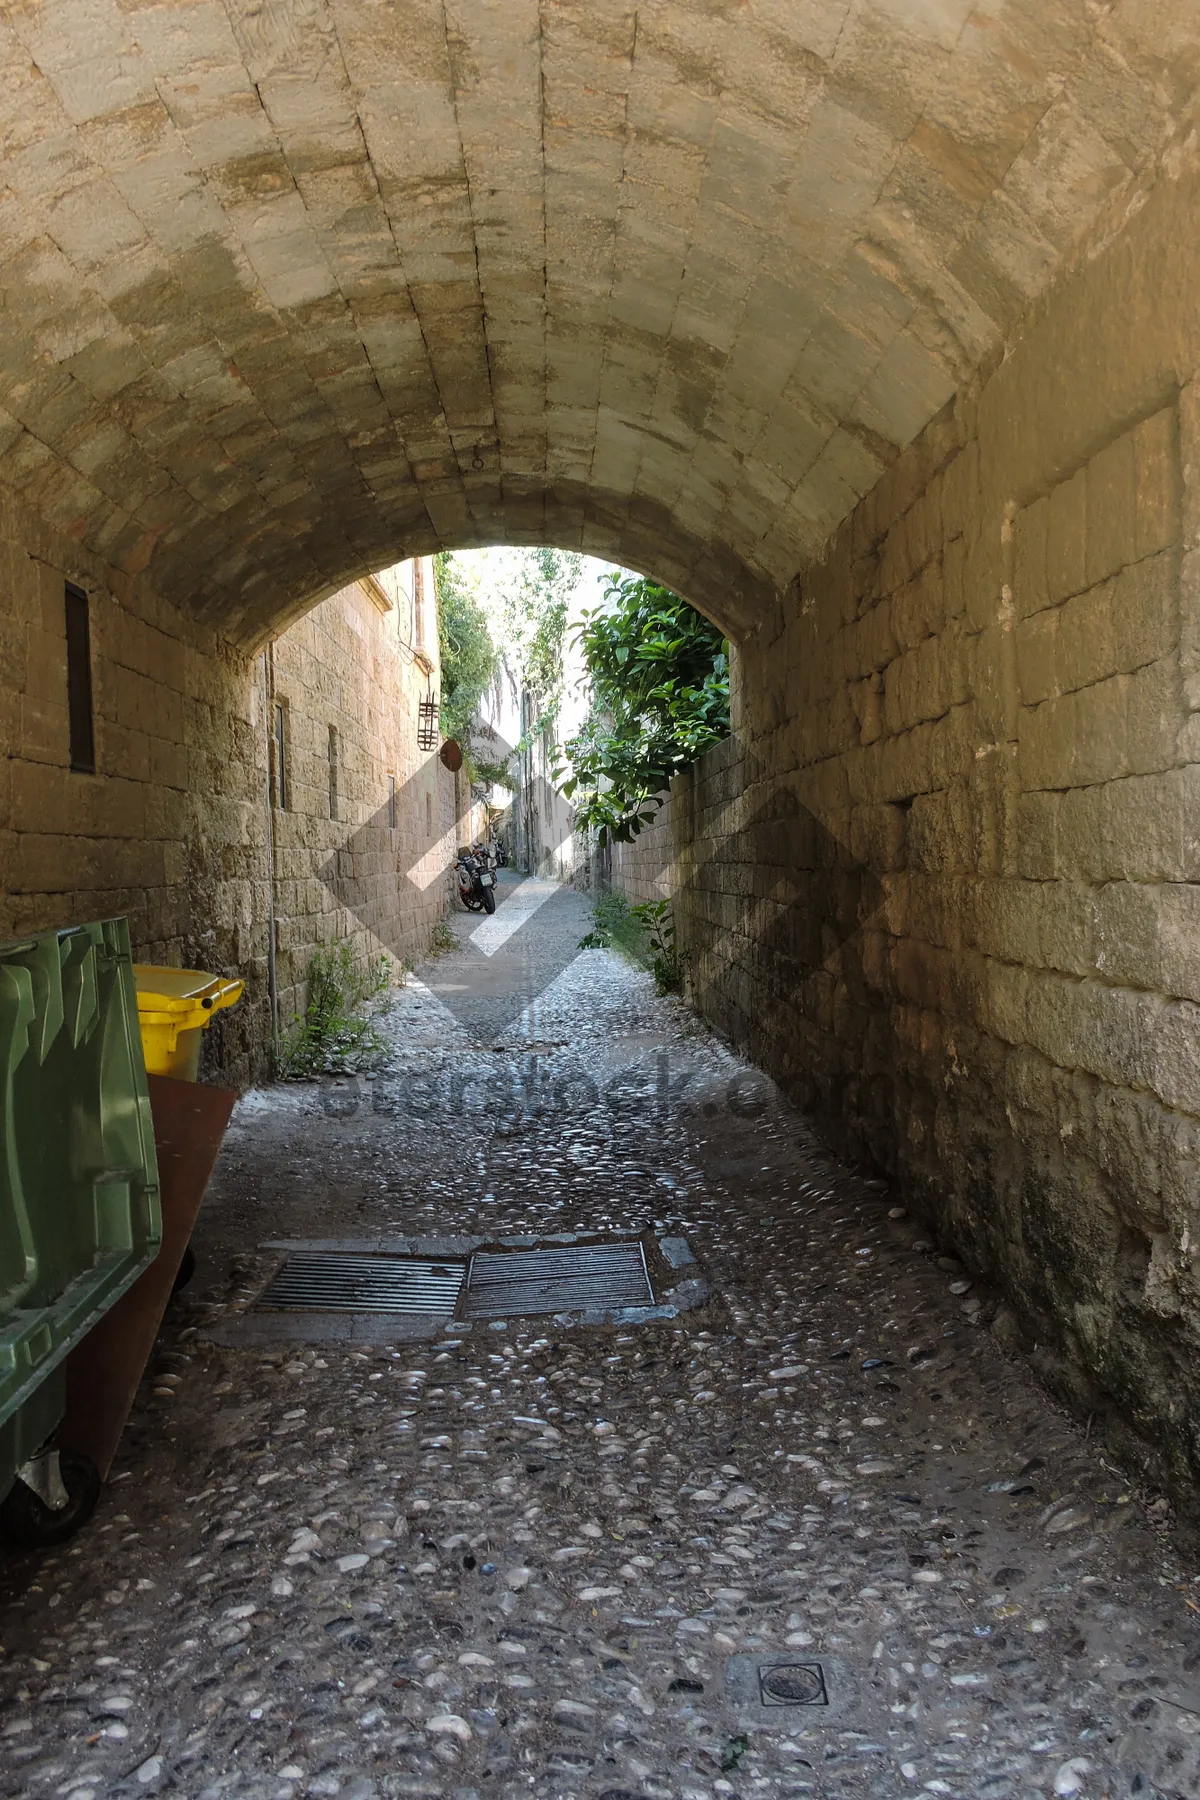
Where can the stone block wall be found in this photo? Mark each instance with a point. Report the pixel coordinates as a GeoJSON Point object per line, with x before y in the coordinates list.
{"type": "Point", "coordinates": [945, 883]}
{"type": "Point", "coordinates": [171, 830]}
{"type": "Point", "coordinates": [648, 868]}
{"type": "Point", "coordinates": [378, 869]}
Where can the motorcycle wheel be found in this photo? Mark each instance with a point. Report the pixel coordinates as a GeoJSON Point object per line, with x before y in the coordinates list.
{"type": "Point", "coordinates": [489, 900]}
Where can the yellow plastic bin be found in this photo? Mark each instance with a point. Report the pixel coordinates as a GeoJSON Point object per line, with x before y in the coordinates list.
{"type": "Point", "coordinates": [174, 1007]}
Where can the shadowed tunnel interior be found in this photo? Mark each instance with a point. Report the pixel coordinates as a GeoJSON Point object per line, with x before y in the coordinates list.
{"type": "Point", "coordinates": [870, 327]}
{"type": "Point", "coordinates": [867, 325]}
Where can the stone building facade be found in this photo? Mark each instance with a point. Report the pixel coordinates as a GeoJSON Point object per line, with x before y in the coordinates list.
{"type": "Point", "coordinates": [363, 844]}
{"type": "Point", "coordinates": [184, 822]}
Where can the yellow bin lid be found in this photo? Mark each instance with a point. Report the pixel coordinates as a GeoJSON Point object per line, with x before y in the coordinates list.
{"type": "Point", "coordinates": [168, 996]}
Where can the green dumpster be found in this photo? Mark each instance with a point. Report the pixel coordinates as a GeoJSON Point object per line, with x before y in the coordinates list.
{"type": "Point", "coordinates": [79, 1201]}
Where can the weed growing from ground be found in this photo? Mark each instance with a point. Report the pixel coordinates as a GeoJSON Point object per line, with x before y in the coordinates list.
{"type": "Point", "coordinates": [334, 1035]}
{"type": "Point", "coordinates": [645, 934]}
{"type": "Point", "coordinates": [442, 938]}
{"type": "Point", "coordinates": [616, 928]}
{"type": "Point", "coordinates": [666, 958]}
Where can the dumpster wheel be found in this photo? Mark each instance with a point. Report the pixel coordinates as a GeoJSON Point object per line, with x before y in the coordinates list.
{"type": "Point", "coordinates": [27, 1520]}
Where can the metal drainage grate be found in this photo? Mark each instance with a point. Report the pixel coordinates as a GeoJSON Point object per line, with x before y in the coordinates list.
{"type": "Point", "coordinates": [343, 1282]}
{"type": "Point", "coordinates": [792, 1684]}
{"type": "Point", "coordinates": [579, 1278]}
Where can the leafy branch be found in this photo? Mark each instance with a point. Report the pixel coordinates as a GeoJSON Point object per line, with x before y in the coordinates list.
{"type": "Point", "coordinates": [660, 699]}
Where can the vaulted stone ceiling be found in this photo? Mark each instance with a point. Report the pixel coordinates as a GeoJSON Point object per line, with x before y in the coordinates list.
{"type": "Point", "coordinates": [292, 287]}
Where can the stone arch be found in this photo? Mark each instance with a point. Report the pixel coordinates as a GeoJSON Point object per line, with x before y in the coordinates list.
{"type": "Point", "coordinates": [718, 583]}
{"type": "Point", "coordinates": [290, 287]}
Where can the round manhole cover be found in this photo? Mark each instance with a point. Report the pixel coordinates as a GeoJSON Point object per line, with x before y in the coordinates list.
{"type": "Point", "coordinates": [793, 1684]}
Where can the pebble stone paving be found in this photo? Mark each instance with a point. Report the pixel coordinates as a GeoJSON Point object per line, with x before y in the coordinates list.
{"type": "Point", "coordinates": [522, 1558]}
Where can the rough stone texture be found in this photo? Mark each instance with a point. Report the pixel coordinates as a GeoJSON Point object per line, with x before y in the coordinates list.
{"type": "Point", "coordinates": [944, 883]}
{"type": "Point", "coordinates": [294, 290]}
{"type": "Point", "coordinates": [518, 1562]}
{"type": "Point", "coordinates": [171, 830]}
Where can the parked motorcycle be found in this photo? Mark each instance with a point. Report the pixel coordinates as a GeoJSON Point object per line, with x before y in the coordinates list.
{"type": "Point", "coordinates": [476, 882]}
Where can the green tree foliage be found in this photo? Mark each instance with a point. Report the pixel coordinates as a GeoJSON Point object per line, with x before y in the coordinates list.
{"type": "Point", "coordinates": [660, 699]}
{"type": "Point", "coordinates": [468, 655]}
{"type": "Point", "coordinates": [535, 596]}
{"type": "Point", "coordinates": [528, 593]}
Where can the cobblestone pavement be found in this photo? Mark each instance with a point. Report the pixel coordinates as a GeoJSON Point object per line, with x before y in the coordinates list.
{"type": "Point", "coordinates": [528, 1558]}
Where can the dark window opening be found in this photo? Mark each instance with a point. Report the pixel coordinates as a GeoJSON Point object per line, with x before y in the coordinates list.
{"type": "Point", "coordinates": [333, 772]}
{"type": "Point", "coordinates": [279, 739]}
{"type": "Point", "coordinates": [79, 681]}
{"type": "Point", "coordinates": [391, 802]}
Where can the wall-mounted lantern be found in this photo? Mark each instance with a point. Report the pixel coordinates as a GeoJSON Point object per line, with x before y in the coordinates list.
{"type": "Point", "coordinates": [428, 730]}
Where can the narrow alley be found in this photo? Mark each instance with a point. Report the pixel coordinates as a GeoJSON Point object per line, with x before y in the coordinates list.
{"type": "Point", "coordinates": [793, 1526]}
